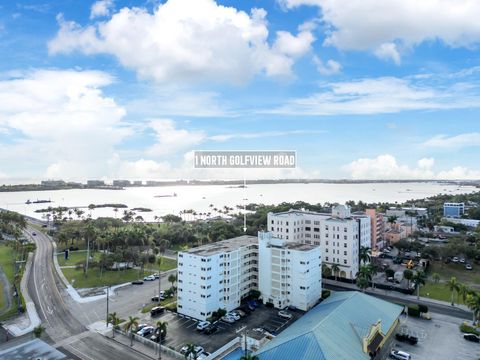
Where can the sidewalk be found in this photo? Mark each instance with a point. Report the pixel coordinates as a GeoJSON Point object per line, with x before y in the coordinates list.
{"type": "Point", "coordinates": [393, 294]}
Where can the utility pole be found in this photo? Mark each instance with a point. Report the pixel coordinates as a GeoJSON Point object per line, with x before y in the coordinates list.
{"type": "Point", "coordinates": [159, 283]}
{"type": "Point", "coordinates": [108, 291]}
{"type": "Point", "coordinates": [88, 256]}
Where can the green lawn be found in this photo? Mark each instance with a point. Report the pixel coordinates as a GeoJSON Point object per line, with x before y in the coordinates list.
{"type": "Point", "coordinates": [75, 257]}
{"type": "Point", "coordinates": [446, 271]}
{"type": "Point", "coordinates": [438, 292]}
{"type": "Point", "coordinates": [108, 278]}
{"type": "Point", "coordinates": [168, 264]}
{"type": "Point", "coordinates": [165, 302]}
{"type": "Point", "coordinates": [6, 262]}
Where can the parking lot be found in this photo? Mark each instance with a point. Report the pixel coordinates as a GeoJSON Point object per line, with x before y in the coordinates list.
{"type": "Point", "coordinates": [439, 338]}
{"type": "Point", "coordinates": [182, 330]}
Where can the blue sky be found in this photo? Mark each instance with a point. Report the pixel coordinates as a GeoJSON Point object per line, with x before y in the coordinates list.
{"type": "Point", "coordinates": [128, 89]}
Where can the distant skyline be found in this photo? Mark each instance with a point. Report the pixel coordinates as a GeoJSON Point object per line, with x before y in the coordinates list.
{"type": "Point", "coordinates": [364, 89]}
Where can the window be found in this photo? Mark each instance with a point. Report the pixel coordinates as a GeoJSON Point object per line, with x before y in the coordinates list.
{"type": "Point", "coordinates": [326, 250]}
{"type": "Point", "coordinates": [316, 229]}
{"type": "Point", "coordinates": [345, 262]}
{"type": "Point", "coordinates": [326, 258]}
{"type": "Point", "coordinates": [345, 253]}
{"type": "Point", "coordinates": [344, 244]}
{"type": "Point", "coordinates": [345, 237]}
{"type": "Point", "coordinates": [308, 228]}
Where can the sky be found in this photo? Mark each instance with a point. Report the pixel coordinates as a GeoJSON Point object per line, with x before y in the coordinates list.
{"type": "Point", "coordinates": [364, 89]}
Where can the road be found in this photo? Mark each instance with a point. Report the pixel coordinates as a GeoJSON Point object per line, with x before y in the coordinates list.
{"type": "Point", "coordinates": [398, 298]}
{"type": "Point", "coordinates": [64, 330]}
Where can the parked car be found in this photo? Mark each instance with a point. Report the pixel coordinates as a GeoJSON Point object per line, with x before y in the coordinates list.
{"type": "Point", "coordinates": [400, 355]}
{"type": "Point", "coordinates": [147, 330]}
{"type": "Point", "coordinates": [157, 275]}
{"type": "Point", "coordinates": [455, 259]}
{"type": "Point", "coordinates": [461, 260]}
{"type": "Point", "coordinates": [157, 310]}
{"type": "Point", "coordinates": [203, 355]}
{"type": "Point", "coordinates": [149, 278]}
{"type": "Point", "coordinates": [412, 340]}
{"type": "Point", "coordinates": [157, 298]}
{"type": "Point", "coordinates": [228, 319]}
{"type": "Point", "coordinates": [140, 326]}
{"type": "Point", "coordinates": [471, 337]}
{"type": "Point", "coordinates": [156, 338]}
{"type": "Point", "coordinates": [198, 350]}
{"type": "Point", "coordinates": [202, 325]}
{"type": "Point", "coordinates": [245, 309]}
{"type": "Point", "coordinates": [137, 282]}
{"type": "Point", "coordinates": [210, 329]}
{"type": "Point", "coordinates": [240, 312]}
{"type": "Point", "coordinates": [234, 315]}
{"type": "Point", "coordinates": [284, 314]}
{"type": "Point", "coordinates": [269, 330]}
{"type": "Point", "coordinates": [34, 234]}
{"type": "Point", "coordinates": [468, 267]}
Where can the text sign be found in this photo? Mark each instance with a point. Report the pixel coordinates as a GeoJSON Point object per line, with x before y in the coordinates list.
{"type": "Point", "coordinates": [245, 159]}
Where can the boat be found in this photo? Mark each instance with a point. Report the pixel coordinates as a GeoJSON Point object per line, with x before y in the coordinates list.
{"type": "Point", "coordinates": [167, 195]}
{"type": "Point", "coordinates": [28, 202]}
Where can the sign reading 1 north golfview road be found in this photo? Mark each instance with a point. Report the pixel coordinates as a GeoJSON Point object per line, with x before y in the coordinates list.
{"type": "Point", "coordinates": [245, 159]}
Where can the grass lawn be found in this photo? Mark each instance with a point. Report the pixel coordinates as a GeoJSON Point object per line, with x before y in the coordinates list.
{"type": "Point", "coordinates": [165, 302]}
{"type": "Point", "coordinates": [108, 277]}
{"type": "Point", "coordinates": [168, 264]}
{"type": "Point", "coordinates": [75, 257]}
{"type": "Point", "coordinates": [6, 262]}
{"type": "Point", "coordinates": [446, 271]}
{"type": "Point", "coordinates": [438, 292]}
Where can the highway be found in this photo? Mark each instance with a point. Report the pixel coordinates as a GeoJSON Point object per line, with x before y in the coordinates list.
{"type": "Point", "coordinates": [62, 327]}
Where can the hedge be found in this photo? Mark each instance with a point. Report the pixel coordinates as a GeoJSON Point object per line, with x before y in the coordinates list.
{"type": "Point", "coordinates": [413, 311]}
{"type": "Point", "coordinates": [423, 308]}
{"type": "Point", "coordinates": [467, 329]}
{"type": "Point", "coordinates": [326, 294]}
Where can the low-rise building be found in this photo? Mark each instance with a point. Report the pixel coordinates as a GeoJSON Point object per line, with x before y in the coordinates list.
{"type": "Point", "coordinates": [467, 222]}
{"type": "Point", "coordinates": [121, 183]}
{"type": "Point", "coordinates": [289, 272]}
{"type": "Point", "coordinates": [216, 276]}
{"type": "Point", "coordinates": [444, 229]}
{"type": "Point", "coordinates": [347, 325]}
{"type": "Point", "coordinates": [453, 210]}
{"type": "Point", "coordinates": [95, 183]}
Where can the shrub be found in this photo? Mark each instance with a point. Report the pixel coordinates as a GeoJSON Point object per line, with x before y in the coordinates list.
{"type": "Point", "coordinates": [325, 294]}
{"type": "Point", "coordinates": [467, 329]}
{"type": "Point", "coordinates": [389, 272]}
{"type": "Point", "coordinates": [423, 308]}
{"type": "Point", "coordinates": [413, 311]}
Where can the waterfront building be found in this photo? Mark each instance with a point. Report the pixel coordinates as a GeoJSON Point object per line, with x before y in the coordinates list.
{"type": "Point", "coordinates": [453, 210]}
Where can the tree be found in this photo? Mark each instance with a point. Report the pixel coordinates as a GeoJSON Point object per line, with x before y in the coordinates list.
{"type": "Point", "coordinates": [436, 278]}
{"type": "Point", "coordinates": [172, 278]}
{"type": "Point", "coordinates": [190, 352]}
{"type": "Point", "coordinates": [326, 271]}
{"type": "Point", "coordinates": [160, 330]}
{"type": "Point", "coordinates": [114, 320]}
{"type": "Point", "coordinates": [335, 269]}
{"type": "Point", "coordinates": [419, 279]}
{"type": "Point", "coordinates": [365, 254]}
{"type": "Point", "coordinates": [473, 303]}
{"type": "Point", "coordinates": [130, 326]}
{"type": "Point", "coordinates": [408, 274]}
{"type": "Point", "coordinates": [38, 330]}
{"type": "Point", "coordinates": [452, 285]}
{"type": "Point", "coordinates": [463, 290]}
{"type": "Point", "coordinates": [362, 283]}
{"type": "Point", "coordinates": [249, 357]}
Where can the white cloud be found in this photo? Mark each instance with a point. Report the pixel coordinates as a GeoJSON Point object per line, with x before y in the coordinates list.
{"type": "Point", "coordinates": [263, 134]}
{"type": "Point", "coordinates": [144, 169]}
{"type": "Point", "coordinates": [370, 24]}
{"type": "Point", "coordinates": [381, 95]}
{"type": "Point", "coordinates": [188, 41]}
{"type": "Point", "coordinates": [66, 123]}
{"type": "Point", "coordinates": [331, 67]}
{"type": "Point", "coordinates": [170, 140]}
{"type": "Point", "coordinates": [101, 8]}
{"type": "Point", "coordinates": [386, 167]}
{"type": "Point", "coordinates": [388, 51]}
{"type": "Point", "coordinates": [457, 141]}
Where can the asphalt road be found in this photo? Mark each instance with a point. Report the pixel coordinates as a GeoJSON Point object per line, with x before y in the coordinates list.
{"type": "Point", "coordinates": [397, 298]}
{"type": "Point", "coordinates": [62, 327]}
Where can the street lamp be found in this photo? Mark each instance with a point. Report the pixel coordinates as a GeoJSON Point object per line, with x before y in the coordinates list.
{"type": "Point", "coordinates": [108, 291]}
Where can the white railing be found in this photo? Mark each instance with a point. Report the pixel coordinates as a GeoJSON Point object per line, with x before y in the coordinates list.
{"type": "Point", "coordinates": [234, 343]}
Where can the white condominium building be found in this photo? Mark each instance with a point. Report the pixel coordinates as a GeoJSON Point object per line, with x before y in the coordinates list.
{"type": "Point", "coordinates": [339, 234]}
{"type": "Point", "coordinates": [216, 275]}
{"type": "Point", "coordinates": [290, 273]}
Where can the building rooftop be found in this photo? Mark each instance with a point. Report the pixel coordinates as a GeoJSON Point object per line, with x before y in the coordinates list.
{"type": "Point", "coordinates": [223, 246]}
{"type": "Point", "coordinates": [334, 329]}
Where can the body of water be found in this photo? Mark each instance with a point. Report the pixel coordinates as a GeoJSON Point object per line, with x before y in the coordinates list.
{"type": "Point", "coordinates": [200, 197]}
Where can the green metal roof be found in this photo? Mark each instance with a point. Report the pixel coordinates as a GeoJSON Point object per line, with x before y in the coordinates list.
{"type": "Point", "coordinates": [332, 330]}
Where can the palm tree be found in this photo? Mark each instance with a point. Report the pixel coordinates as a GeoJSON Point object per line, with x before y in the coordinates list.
{"type": "Point", "coordinates": [114, 320]}
{"type": "Point", "coordinates": [419, 279]}
{"type": "Point", "coordinates": [452, 285]}
{"type": "Point", "coordinates": [172, 278]}
{"type": "Point", "coordinates": [326, 271]}
{"type": "Point", "coordinates": [463, 290]}
{"type": "Point", "coordinates": [436, 278]}
{"type": "Point", "coordinates": [408, 274]}
{"type": "Point", "coordinates": [473, 303]}
{"type": "Point", "coordinates": [335, 269]}
{"type": "Point", "coordinates": [362, 282]}
{"type": "Point", "coordinates": [365, 254]}
{"type": "Point", "coordinates": [130, 326]}
{"type": "Point", "coordinates": [190, 352]}
{"type": "Point", "coordinates": [160, 328]}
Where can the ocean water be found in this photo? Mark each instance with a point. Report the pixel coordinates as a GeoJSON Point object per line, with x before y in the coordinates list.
{"type": "Point", "coordinates": [200, 197]}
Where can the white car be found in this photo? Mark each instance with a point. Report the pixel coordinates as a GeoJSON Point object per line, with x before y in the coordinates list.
{"type": "Point", "coordinates": [285, 314]}
{"type": "Point", "coordinates": [400, 355]}
{"type": "Point", "coordinates": [228, 319]}
{"type": "Point", "coordinates": [149, 278]}
{"type": "Point", "coordinates": [202, 325]}
{"type": "Point", "coordinates": [234, 315]}
{"type": "Point", "coordinates": [198, 351]}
